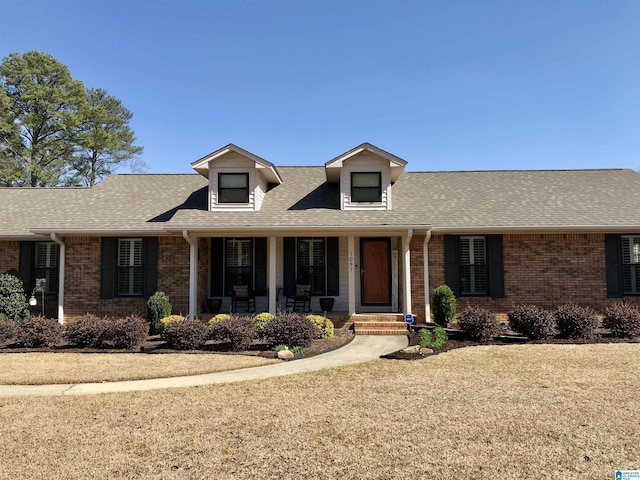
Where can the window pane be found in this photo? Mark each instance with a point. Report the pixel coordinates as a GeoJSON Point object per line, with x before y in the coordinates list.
{"type": "Point", "coordinates": [472, 266]}
{"type": "Point", "coordinates": [366, 180]}
{"type": "Point", "coordinates": [234, 180]}
{"type": "Point", "coordinates": [234, 196]}
{"type": "Point", "coordinates": [365, 195]}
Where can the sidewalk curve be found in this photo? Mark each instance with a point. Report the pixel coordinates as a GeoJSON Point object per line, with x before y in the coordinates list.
{"type": "Point", "coordinates": [361, 349]}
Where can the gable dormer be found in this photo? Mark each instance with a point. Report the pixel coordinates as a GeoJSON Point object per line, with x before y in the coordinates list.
{"type": "Point", "coordinates": [365, 174]}
{"type": "Point", "coordinates": [238, 179]}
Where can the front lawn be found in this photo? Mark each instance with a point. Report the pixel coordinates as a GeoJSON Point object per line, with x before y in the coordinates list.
{"type": "Point", "coordinates": [509, 412]}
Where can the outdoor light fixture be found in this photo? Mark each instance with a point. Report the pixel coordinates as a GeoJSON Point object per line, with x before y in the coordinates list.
{"type": "Point", "coordinates": [32, 301]}
{"type": "Point", "coordinates": [41, 285]}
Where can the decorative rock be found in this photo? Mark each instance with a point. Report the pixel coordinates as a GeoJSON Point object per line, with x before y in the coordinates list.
{"type": "Point", "coordinates": [412, 349]}
{"type": "Point", "coordinates": [285, 354]}
{"type": "Point", "coordinates": [424, 351]}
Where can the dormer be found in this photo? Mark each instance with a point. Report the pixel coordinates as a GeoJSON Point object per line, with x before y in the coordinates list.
{"type": "Point", "coordinates": [238, 179]}
{"type": "Point", "coordinates": [365, 175]}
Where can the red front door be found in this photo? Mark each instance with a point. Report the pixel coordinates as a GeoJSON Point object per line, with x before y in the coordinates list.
{"type": "Point", "coordinates": [375, 270]}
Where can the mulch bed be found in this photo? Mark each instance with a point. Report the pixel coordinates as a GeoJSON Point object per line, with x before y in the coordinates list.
{"type": "Point", "coordinates": [453, 343]}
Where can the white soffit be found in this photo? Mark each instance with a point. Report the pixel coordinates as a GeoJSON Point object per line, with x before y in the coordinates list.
{"type": "Point", "coordinates": [333, 167]}
{"type": "Point", "coordinates": [267, 169]}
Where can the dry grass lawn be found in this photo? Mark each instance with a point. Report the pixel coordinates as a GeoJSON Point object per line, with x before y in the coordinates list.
{"type": "Point", "coordinates": [43, 368]}
{"type": "Point", "coordinates": [510, 412]}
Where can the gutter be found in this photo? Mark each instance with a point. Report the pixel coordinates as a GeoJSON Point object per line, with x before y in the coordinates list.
{"type": "Point", "coordinates": [62, 260]}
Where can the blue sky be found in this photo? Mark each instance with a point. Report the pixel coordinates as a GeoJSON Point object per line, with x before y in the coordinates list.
{"type": "Point", "coordinates": [446, 85]}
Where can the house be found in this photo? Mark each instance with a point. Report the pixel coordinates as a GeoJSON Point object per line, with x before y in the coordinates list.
{"type": "Point", "coordinates": [360, 229]}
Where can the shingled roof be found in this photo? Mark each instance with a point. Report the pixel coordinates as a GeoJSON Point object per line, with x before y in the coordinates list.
{"type": "Point", "coordinates": [560, 200]}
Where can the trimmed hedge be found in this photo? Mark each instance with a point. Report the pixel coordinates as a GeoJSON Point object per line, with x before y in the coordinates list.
{"type": "Point", "coordinates": [13, 301]}
{"type": "Point", "coordinates": [238, 331]}
{"type": "Point", "coordinates": [127, 332]}
{"type": "Point", "coordinates": [158, 307]}
{"type": "Point", "coordinates": [478, 324]}
{"type": "Point", "coordinates": [290, 329]}
{"type": "Point", "coordinates": [261, 320]}
{"type": "Point", "coordinates": [8, 330]}
{"type": "Point", "coordinates": [444, 305]}
{"type": "Point", "coordinates": [39, 332]}
{"type": "Point", "coordinates": [532, 321]}
{"type": "Point", "coordinates": [575, 321]}
{"type": "Point", "coordinates": [186, 334]}
{"type": "Point", "coordinates": [104, 332]}
{"type": "Point", "coordinates": [623, 319]}
{"type": "Point", "coordinates": [324, 326]}
{"type": "Point", "coordinates": [170, 319]}
{"type": "Point", "coordinates": [86, 331]}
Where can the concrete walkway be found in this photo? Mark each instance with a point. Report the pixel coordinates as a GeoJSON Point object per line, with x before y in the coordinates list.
{"type": "Point", "coordinates": [361, 349]}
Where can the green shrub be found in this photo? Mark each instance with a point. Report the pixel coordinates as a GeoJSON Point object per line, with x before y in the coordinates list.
{"type": "Point", "coordinates": [261, 320]}
{"type": "Point", "coordinates": [238, 331]}
{"type": "Point", "coordinates": [39, 332]}
{"type": "Point", "coordinates": [13, 301]}
{"type": "Point", "coordinates": [8, 330]}
{"type": "Point", "coordinates": [86, 331]}
{"type": "Point", "coordinates": [435, 339]}
{"type": "Point", "coordinates": [444, 305]}
{"type": "Point", "coordinates": [158, 307]}
{"type": "Point", "coordinates": [167, 320]}
{"type": "Point", "coordinates": [623, 319]}
{"type": "Point", "coordinates": [186, 334]}
{"type": "Point", "coordinates": [297, 350]}
{"type": "Point", "coordinates": [290, 329]}
{"type": "Point", "coordinates": [323, 326]}
{"type": "Point", "coordinates": [478, 324]}
{"type": "Point", "coordinates": [531, 321]}
{"type": "Point", "coordinates": [575, 321]}
{"type": "Point", "coordinates": [127, 332]}
{"type": "Point", "coordinates": [279, 348]}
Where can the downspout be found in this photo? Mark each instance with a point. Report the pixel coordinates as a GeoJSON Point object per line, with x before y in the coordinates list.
{"type": "Point", "coordinates": [427, 296]}
{"type": "Point", "coordinates": [193, 274]}
{"type": "Point", "coordinates": [407, 271]}
{"type": "Point", "coordinates": [63, 252]}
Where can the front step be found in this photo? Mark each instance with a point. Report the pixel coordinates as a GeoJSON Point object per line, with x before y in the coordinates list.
{"type": "Point", "coordinates": [379, 324]}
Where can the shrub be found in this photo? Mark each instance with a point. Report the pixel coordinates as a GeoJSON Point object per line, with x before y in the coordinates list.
{"type": "Point", "coordinates": [170, 319]}
{"type": "Point", "coordinates": [444, 305]}
{"type": "Point", "coordinates": [261, 320]}
{"type": "Point", "coordinates": [279, 348]}
{"type": "Point", "coordinates": [425, 338]}
{"type": "Point", "coordinates": [297, 350]}
{"type": "Point", "coordinates": [221, 317]}
{"type": "Point", "coordinates": [127, 332]}
{"type": "Point", "coordinates": [623, 319]}
{"type": "Point", "coordinates": [238, 331]}
{"type": "Point", "coordinates": [531, 321]}
{"type": "Point", "coordinates": [290, 329]}
{"type": "Point", "coordinates": [323, 326]}
{"type": "Point", "coordinates": [86, 331]}
{"type": "Point", "coordinates": [13, 301]}
{"type": "Point", "coordinates": [39, 332]}
{"type": "Point", "coordinates": [435, 339]}
{"type": "Point", "coordinates": [478, 324]}
{"type": "Point", "coordinates": [186, 334]}
{"type": "Point", "coordinates": [158, 307]}
{"type": "Point", "coordinates": [8, 330]}
{"type": "Point", "coordinates": [575, 321]}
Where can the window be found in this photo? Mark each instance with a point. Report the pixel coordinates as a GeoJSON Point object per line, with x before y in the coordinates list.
{"type": "Point", "coordinates": [630, 264]}
{"type": "Point", "coordinates": [238, 263]}
{"type": "Point", "coordinates": [46, 265]}
{"type": "Point", "coordinates": [472, 266]}
{"type": "Point", "coordinates": [311, 264]}
{"type": "Point", "coordinates": [366, 187]}
{"type": "Point", "coordinates": [233, 188]}
{"type": "Point", "coordinates": [130, 272]}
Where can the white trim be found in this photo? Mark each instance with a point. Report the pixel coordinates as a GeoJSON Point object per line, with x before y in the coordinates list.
{"type": "Point", "coordinates": [61, 263]}
{"type": "Point", "coordinates": [351, 258]}
{"type": "Point", "coordinates": [272, 274]}
{"type": "Point", "coordinates": [193, 274]}
{"type": "Point", "coordinates": [406, 240]}
{"type": "Point", "coordinates": [427, 293]}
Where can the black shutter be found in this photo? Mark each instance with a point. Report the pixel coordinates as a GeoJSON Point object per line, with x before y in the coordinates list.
{"type": "Point", "coordinates": [333, 267]}
{"type": "Point", "coordinates": [613, 253]}
{"type": "Point", "coordinates": [451, 262]}
{"type": "Point", "coordinates": [260, 262]}
{"type": "Point", "coordinates": [496, 266]}
{"type": "Point", "coordinates": [289, 266]}
{"type": "Point", "coordinates": [26, 266]}
{"type": "Point", "coordinates": [108, 267]}
{"type": "Point", "coordinates": [150, 252]}
{"type": "Point", "coordinates": [217, 267]}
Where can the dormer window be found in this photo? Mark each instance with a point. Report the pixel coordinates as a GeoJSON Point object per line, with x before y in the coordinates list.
{"type": "Point", "coordinates": [366, 187]}
{"type": "Point", "coordinates": [233, 187]}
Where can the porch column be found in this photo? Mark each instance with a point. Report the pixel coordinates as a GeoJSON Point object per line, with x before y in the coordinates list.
{"type": "Point", "coordinates": [272, 275]}
{"type": "Point", "coordinates": [62, 260]}
{"type": "Point", "coordinates": [193, 274]}
{"type": "Point", "coordinates": [351, 252]}
{"type": "Point", "coordinates": [427, 296]}
{"type": "Point", "coordinates": [406, 240]}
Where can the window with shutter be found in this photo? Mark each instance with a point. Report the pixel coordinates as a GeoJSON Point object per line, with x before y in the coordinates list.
{"type": "Point", "coordinates": [472, 267]}
{"type": "Point", "coordinates": [311, 264]}
{"type": "Point", "coordinates": [46, 265]}
{"type": "Point", "coordinates": [130, 267]}
{"type": "Point", "coordinates": [238, 263]}
{"type": "Point", "coordinates": [630, 264]}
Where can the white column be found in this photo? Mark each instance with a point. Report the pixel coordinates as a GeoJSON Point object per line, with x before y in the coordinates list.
{"type": "Point", "coordinates": [427, 296]}
{"type": "Point", "coordinates": [406, 240]}
{"type": "Point", "coordinates": [351, 255]}
{"type": "Point", "coordinates": [272, 275]}
{"type": "Point", "coordinates": [193, 274]}
{"type": "Point", "coordinates": [62, 260]}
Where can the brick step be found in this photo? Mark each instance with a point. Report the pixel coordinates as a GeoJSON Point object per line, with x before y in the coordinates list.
{"type": "Point", "coordinates": [380, 324]}
{"type": "Point", "coordinates": [380, 332]}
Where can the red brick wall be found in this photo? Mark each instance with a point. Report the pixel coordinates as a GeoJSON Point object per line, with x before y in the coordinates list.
{"type": "Point", "coordinates": [9, 255]}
